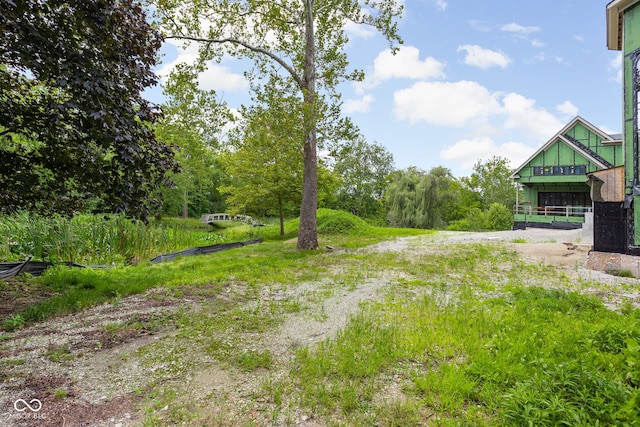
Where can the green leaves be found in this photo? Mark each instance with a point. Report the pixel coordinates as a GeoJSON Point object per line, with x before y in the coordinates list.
{"type": "Point", "coordinates": [264, 160]}
{"type": "Point", "coordinates": [71, 79]}
{"type": "Point", "coordinates": [302, 40]}
{"type": "Point", "coordinates": [419, 199]}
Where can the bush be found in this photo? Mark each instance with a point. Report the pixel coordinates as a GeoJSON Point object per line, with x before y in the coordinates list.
{"type": "Point", "coordinates": [499, 217]}
{"type": "Point", "coordinates": [339, 223]}
{"type": "Point", "coordinates": [332, 222]}
{"type": "Point", "coordinates": [459, 225]}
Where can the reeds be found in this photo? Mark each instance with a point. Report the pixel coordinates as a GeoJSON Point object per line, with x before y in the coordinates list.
{"type": "Point", "coordinates": [95, 239]}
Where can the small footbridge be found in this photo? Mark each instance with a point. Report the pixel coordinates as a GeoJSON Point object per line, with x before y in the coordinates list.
{"type": "Point", "coordinates": [225, 217]}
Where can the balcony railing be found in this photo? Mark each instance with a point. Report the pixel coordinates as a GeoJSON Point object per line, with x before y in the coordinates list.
{"type": "Point", "coordinates": [555, 211]}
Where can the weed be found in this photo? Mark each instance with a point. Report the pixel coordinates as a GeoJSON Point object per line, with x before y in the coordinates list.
{"type": "Point", "coordinates": [251, 360]}
{"type": "Point", "coordinates": [60, 393]}
{"type": "Point", "coordinates": [12, 362]}
{"type": "Point", "coordinates": [59, 353]}
{"type": "Point", "coordinates": [620, 273]}
{"type": "Point", "coordinates": [534, 357]}
{"type": "Point", "coordinates": [13, 322]}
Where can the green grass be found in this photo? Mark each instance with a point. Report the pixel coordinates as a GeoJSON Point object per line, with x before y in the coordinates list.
{"type": "Point", "coordinates": [531, 356]}
{"type": "Point", "coordinates": [274, 261]}
{"type": "Point", "coordinates": [463, 335]}
{"type": "Point", "coordinates": [97, 239]}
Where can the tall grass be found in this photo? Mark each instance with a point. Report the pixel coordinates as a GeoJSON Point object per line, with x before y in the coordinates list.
{"type": "Point", "coordinates": [533, 357]}
{"type": "Point", "coordinates": [92, 239]}
{"type": "Point", "coordinates": [96, 239]}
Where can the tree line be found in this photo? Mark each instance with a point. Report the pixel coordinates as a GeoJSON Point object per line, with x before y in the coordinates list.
{"type": "Point", "coordinates": [76, 134]}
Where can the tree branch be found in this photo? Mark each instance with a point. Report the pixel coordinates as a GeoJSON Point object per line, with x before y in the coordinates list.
{"type": "Point", "coordinates": [252, 48]}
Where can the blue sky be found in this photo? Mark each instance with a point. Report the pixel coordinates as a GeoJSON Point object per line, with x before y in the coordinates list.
{"type": "Point", "coordinates": [473, 79]}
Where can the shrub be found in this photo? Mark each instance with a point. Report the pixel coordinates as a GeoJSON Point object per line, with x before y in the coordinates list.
{"type": "Point", "coordinates": [499, 217]}
{"type": "Point", "coordinates": [332, 222]}
{"type": "Point", "coordinates": [459, 225]}
{"type": "Point", "coordinates": [339, 223]}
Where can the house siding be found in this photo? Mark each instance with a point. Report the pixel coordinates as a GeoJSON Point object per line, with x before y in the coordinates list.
{"type": "Point", "coordinates": [631, 52]}
{"type": "Point", "coordinates": [558, 154]}
{"type": "Point", "coordinates": [561, 197]}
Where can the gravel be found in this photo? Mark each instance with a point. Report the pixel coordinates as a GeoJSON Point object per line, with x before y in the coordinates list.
{"type": "Point", "coordinates": [103, 379]}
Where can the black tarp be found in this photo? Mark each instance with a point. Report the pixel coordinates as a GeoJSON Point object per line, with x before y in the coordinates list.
{"type": "Point", "coordinates": [35, 268]}
{"type": "Point", "coordinates": [201, 250]}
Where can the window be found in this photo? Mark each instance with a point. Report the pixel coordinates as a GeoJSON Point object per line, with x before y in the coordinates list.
{"type": "Point", "coordinates": [560, 170]}
{"type": "Point", "coordinates": [564, 199]}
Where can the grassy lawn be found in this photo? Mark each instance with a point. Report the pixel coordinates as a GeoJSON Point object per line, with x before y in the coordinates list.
{"type": "Point", "coordinates": [459, 334]}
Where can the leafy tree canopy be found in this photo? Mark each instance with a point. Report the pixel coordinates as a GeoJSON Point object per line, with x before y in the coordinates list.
{"type": "Point", "coordinates": [73, 123]}
{"type": "Point", "coordinates": [304, 40]}
{"type": "Point", "coordinates": [263, 160]}
{"type": "Point", "coordinates": [490, 180]}
{"type": "Point", "coordinates": [363, 169]}
{"type": "Point", "coordinates": [193, 122]}
{"type": "Point", "coordinates": [419, 199]}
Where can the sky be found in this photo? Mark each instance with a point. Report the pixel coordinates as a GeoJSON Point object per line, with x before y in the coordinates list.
{"type": "Point", "coordinates": [474, 79]}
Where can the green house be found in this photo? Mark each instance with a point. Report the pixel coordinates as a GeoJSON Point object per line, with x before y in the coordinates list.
{"type": "Point", "coordinates": [555, 184]}
{"type": "Point", "coordinates": [623, 33]}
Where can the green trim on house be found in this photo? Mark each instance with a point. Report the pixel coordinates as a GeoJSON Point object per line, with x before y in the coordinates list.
{"type": "Point", "coordinates": [554, 178]}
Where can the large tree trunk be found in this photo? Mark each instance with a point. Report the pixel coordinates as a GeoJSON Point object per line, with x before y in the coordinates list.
{"type": "Point", "coordinates": [307, 233]}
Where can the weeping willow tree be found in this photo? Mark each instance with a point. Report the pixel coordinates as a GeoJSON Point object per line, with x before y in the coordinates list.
{"type": "Point", "coordinates": [419, 199]}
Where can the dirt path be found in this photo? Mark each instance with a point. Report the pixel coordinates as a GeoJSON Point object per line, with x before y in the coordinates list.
{"type": "Point", "coordinates": [101, 367]}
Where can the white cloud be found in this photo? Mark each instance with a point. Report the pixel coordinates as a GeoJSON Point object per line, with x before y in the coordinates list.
{"type": "Point", "coordinates": [406, 63]}
{"type": "Point", "coordinates": [523, 115]}
{"type": "Point", "coordinates": [542, 57]}
{"type": "Point", "coordinates": [483, 58]}
{"type": "Point", "coordinates": [567, 109]}
{"type": "Point", "coordinates": [215, 77]}
{"type": "Point", "coordinates": [615, 66]}
{"type": "Point", "coordinates": [445, 103]}
{"type": "Point", "coordinates": [467, 103]}
{"type": "Point", "coordinates": [361, 105]}
{"type": "Point", "coordinates": [579, 38]}
{"type": "Point", "coordinates": [519, 29]}
{"type": "Point", "coordinates": [479, 25]}
{"type": "Point", "coordinates": [359, 31]}
{"type": "Point", "coordinates": [469, 151]}
{"type": "Point", "coordinates": [185, 54]}
{"type": "Point", "coordinates": [537, 43]}
{"type": "Point", "coordinates": [441, 4]}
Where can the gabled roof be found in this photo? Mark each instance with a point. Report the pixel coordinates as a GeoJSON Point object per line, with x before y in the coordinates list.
{"type": "Point", "coordinates": [615, 22]}
{"type": "Point", "coordinates": [574, 144]}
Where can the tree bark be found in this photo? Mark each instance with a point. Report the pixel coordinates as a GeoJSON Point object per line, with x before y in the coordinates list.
{"type": "Point", "coordinates": [307, 233]}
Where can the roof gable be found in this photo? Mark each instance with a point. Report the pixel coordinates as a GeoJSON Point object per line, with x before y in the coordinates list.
{"type": "Point", "coordinates": [562, 136]}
